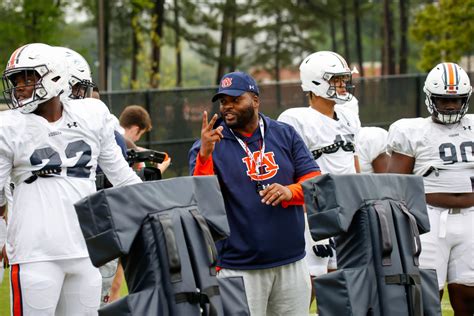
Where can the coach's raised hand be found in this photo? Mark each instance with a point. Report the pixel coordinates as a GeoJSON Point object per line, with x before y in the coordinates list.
{"type": "Point", "coordinates": [209, 136]}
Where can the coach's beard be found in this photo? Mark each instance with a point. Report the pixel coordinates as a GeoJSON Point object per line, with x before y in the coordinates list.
{"type": "Point", "coordinates": [241, 120]}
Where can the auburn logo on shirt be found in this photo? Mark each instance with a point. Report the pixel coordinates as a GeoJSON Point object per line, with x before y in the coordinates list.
{"type": "Point", "coordinates": [269, 166]}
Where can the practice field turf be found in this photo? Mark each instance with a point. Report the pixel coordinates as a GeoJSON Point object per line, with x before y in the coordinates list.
{"type": "Point", "coordinates": [5, 301]}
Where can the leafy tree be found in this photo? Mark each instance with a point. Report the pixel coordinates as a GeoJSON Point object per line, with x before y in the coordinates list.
{"type": "Point", "coordinates": [445, 30]}
{"type": "Point", "coordinates": [25, 22]}
{"type": "Point", "coordinates": [403, 49]}
{"type": "Point", "coordinates": [388, 56]}
{"type": "Point", "coordinates": [357, 22]}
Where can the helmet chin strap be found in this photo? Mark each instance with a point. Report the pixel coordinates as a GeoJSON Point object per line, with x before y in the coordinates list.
{"type": "Point", "coordinates": [338, 99]}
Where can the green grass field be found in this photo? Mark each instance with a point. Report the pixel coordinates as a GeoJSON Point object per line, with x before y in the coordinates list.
{"type": "Point", "coordinates": [5, 300]}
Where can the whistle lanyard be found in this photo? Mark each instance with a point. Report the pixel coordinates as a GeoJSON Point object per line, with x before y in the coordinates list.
{"type": "Point", "coordinates": [258, 161]}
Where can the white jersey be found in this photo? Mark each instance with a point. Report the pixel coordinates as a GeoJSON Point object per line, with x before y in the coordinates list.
{"type": "Point", "coordinates": [352, 105]}
{"type": "Point", "coordinates": [444, 154]}
{"type": "Point", "coordinates": [116, 124]}
{"type": "Point", "coordinates": [370, 143]}
{"type": "Point", "coordinates": [52, 166]}
{"type": "Point", "coordinates": [330, 141]}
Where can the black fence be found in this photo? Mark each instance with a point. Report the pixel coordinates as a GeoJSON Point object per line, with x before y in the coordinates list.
{"type": "Point", "coordinates": [177, 114]}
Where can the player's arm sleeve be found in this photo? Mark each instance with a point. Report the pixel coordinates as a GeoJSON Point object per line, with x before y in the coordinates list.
{"type": "Point", "coordinates": [378, 144]}
{"type": "Point", "coordinates": [111, 159]}
{"type": "Point", "coordinates": [400, 141]}
{"type": "Point", "coordinates": [305, 168]}
{"type": "Point", "coordinates": [6, 165]}
{"type": "Point", "coordinates": [197, 165]}
{"type": "Point", "coordinates": [371, 143]}
{"type": "Point", "coordinates": [293, 121]}
{"type": "Point", "coordinates": [120, 140]}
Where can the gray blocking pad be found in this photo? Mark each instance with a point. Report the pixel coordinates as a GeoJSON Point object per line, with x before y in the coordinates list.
{"type": "Point", "coordinates": [332, 200]}
{"type": "Point", "coordinates": [164, 232]}
{"type": "Point", "coordinates": [376, 221]}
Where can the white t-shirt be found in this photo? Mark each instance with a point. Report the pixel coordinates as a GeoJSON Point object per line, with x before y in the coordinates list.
{"type": "Point", "coordinates": [370, 143]}
{"type": "Point", "coordinates": [320, 131]}
{"type": "Point", "coordinates": [443, 152]}
{"type": "Point", "coordinates": [43, 224]}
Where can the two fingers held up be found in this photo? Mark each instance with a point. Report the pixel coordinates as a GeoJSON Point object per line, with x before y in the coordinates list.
{"type": "Point", "coordinates": [273, 194]}
{"type": "Point", "coordinates": [209, 135]}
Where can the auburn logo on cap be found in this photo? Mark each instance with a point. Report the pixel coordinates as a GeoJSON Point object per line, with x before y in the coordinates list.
{"type": "Point", "coordinates": [226, 82]}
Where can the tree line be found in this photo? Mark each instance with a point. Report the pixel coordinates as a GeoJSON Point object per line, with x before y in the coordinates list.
{"type": "Point", "coordinates": [182, 43]}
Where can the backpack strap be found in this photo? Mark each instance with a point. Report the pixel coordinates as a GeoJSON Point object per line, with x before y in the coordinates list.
{"type": "Point", "coordinates": [174, 260]}
{"type": "Point", "coordinates": [415, 233]}
{"type": "Point", "coordinates": [387, 245]}
{"type": "Point", "coordinates": [210, 245]}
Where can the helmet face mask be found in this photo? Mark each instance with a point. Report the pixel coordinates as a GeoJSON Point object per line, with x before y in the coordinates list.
{"type": "Point", "coordinates": [79, 74]}
{"type": "Point", "coordinates": [33, 75]}
{"type": "Point", "coordinates": [13, 90]}
{"type": "Point", "coordinates": [327, 75]}
{"type": "Point", "coordinates": [448, 89]}
{"type": "Point", "coordinates": [81, 89]}
{"type": "Point", "coordinates": [340, 87]}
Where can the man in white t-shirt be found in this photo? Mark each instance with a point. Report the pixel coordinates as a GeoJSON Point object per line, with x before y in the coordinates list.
{"type": "Point", "coordinates": [441, 149]}
{"type": "Point", "coordinates": [328, 131]}
{"type": "Point", "coordinates": [51, 148]}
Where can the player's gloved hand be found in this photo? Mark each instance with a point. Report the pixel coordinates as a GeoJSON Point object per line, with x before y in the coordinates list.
{"type": "Point", "coordinates": [323, 251]}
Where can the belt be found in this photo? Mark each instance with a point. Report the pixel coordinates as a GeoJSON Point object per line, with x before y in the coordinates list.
{"type": "Point", "coordinates": [454, 211]}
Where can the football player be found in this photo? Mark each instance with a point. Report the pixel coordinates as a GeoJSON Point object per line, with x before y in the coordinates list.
{"type": "Point", "coordinates": [371, 150]}
{"type": "Point", "coordinates": [80, 80]}
{"type": "Point", "coordinates": [440, 148]}
{"type": "Point", "coordinates": [80, 87]}
{"type": "Point", "coordinates": [327, 131]}
{"type": "Point", "coordinates": [51, 148]}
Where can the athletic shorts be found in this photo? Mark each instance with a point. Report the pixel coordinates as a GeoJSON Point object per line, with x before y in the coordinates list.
{"type": "Point", "coordinates": [59, 287]}
{"type": "Point", "coordinates": [449, 246]}
{"type": "Point", "coordinates": [3, 238]}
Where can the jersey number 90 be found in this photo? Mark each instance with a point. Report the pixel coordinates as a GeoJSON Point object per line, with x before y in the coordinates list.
{"type": "Point", "coordinates": [449, 154]}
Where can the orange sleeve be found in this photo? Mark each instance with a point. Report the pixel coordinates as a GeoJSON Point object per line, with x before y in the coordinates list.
{"type": "Point", "coordinates": [203, 168]}
{"type": "Point", "coordinates": [297, 190]}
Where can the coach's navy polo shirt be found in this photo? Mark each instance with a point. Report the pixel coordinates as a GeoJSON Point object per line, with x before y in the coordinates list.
{"type": "Point", "coordinates": [262, 236]}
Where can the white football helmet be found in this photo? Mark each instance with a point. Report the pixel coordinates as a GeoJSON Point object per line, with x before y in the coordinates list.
{"type": "Point", "coordinates": [447, 81]}
{"type": "Point", "coordinates": [319, 68]}
{"type": "Point", "coordinates": [49, 68]}
{"type": "Point", "coordinates": [79, 74]}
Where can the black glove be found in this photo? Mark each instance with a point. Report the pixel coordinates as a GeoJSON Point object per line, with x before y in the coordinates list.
{"type": "Point", "coordinates": [323, 251]}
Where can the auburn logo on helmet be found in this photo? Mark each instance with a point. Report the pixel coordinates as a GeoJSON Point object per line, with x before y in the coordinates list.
{"type": "Point", "coordinates": [269, 166]}
{"type": "Point", "coordinates": [226, 82]}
